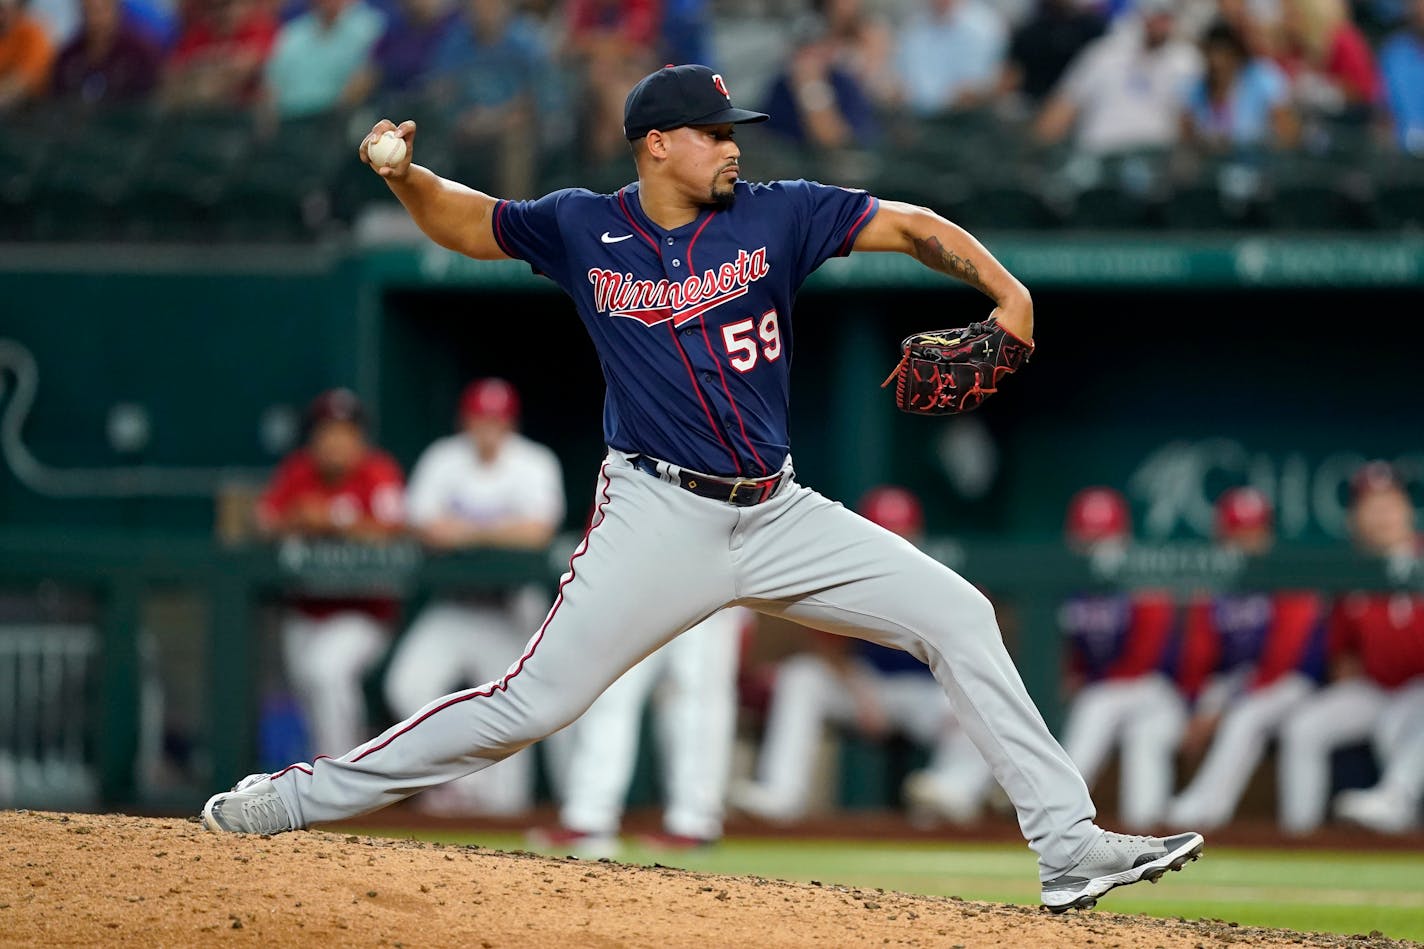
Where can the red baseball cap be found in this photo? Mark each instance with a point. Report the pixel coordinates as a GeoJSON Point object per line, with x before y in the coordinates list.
{"type": "Point", "coordinates": [1096, 514]}
{"type": "Point", "coordinates": [1375, 476]}
{"type": "Point", "coordinates": [894, 509]}
{"type": "Point", "coordinates": [1242, 509]}
{"type": "Point", "coordinates": [336, 405]}
{"type": "Point", "coordinates": [490, 398]}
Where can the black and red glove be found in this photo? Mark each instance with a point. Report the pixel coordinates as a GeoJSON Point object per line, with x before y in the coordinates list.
{"type": "Point", "coordinates": [953, 371]}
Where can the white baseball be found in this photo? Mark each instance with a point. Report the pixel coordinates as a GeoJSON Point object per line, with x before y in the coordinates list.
{"type": "Point", "coordinates": [389, 149]}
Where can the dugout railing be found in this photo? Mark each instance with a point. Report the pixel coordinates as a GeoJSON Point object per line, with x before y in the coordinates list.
{"type": "Point", "coordinates": [96, 721]}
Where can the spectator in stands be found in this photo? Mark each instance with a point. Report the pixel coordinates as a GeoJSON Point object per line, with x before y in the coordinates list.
{"type": "Point", "coordinates": [1257, 22]}
{"type": "Point", "coordinates": [1044, 46]}
{"type": "Point", "coordinates": [335, 488]}
{"type": "Point", "coordinates": [1120, 646]}
{"type": "Point", "coordinates": [25, 56]}
{"type": "Point", "coordinates": [317, 60]}
{"type": "Point", "coordinates": [874, 690]}
{"type": "Point", "coordinates": [687, 31]}
{"type": "Point", "coordinates": [487, 71]}
{"type": "Point", "coordinates": [815, 102]}
{"type": "Point", "coordinates": [403, 58]}
{"type": "Point", "coordinates": [487, 486]}
{"type": "Point", "coordinates": [1241, 102]}
{"type": "Point", "coordinates": [1328, 59]}
{"type": "Point", "coordinates": [1402, 62]}
{"type": "Point", "coordinates": [108, 61]}
{"type": "Point", "coordinates": [949, 55]}
{"type": "Point", "coordinates": [614, 43]}
{"type": "Point", "coordinates": [1126, 90]}
{"type": "Point", "coordinates": [1376, 649]}
{"type": "Point", "coordinates": [1249, 662]}
{"type": "Point", "coordinates": [217, 60]}
{"type": "Point", "coordinates": [864, 45]}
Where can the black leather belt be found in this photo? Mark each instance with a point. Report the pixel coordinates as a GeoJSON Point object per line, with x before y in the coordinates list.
{"type": "Point", "coordinates": [741, 492]}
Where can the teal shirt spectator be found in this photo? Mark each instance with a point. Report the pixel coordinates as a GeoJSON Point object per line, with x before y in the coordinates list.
{"type": "Point", "coordinates": [490, 71]}
{"type": "Point", "coordinates": [1402, 63]}
{"type": "Point", "coordinates": [315, 57]}
{"type": "Point", "coordinates": [1244, 119]}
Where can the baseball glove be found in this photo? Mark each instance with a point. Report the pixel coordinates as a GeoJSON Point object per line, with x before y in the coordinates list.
{"type": "Point", "coordinates": [953, 371]}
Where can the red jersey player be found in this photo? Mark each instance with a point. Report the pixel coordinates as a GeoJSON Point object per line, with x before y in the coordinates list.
{"type": "Point", "coordinates": [1376, 649]}
{"type": "Point", "coordinates": [336, 486]}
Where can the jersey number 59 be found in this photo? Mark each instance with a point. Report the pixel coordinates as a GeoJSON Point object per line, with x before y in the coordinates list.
{"type": "Point", "coordinates": [742, 349]}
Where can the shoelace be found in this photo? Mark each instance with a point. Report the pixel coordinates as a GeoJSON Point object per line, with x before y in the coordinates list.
{"type": "Point", "coordinates": [265, 815]}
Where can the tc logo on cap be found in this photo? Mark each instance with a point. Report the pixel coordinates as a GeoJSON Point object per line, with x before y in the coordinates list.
{"type": "Point", "coordinates": [721, 86]}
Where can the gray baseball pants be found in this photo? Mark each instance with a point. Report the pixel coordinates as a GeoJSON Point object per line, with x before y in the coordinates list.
{"type": "Point", "coordinates": [657, 560]}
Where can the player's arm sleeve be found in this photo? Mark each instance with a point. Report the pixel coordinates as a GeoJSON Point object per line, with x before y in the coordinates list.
{"type": "Point", "coordinates": [529, 231]}
{"type": "Point", "coordinates": [830, 219]}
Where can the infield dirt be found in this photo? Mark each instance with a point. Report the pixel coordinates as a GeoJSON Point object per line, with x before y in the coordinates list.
{"type": "Point", "coordinates": [112, 880]}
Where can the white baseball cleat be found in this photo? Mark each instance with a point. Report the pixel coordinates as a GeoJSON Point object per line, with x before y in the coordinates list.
{"type": "Point", "coordinates": [1382, 810]}
{"type": "Point", "coordinates": [252, 807]}
{"type": "Point", "coordinates": [755, 800]}
{"type": "Point", "coordinates": [930, 798]}
{"type": "Point", "coordinates": [1117, 860]}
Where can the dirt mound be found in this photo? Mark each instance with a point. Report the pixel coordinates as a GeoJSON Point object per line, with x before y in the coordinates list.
{"type": "Point", "coordinates": [86, 879]}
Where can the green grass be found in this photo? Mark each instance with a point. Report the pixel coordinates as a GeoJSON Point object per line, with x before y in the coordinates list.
{"type": "Point", "coordinates": [1302, 890]}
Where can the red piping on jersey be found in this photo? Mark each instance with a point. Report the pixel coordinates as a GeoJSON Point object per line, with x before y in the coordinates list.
{"type": "Point", "coordinates": [850, 235]}
{"type": "Point", "coordinates": [692, 378]}
{"type": "Point", "coordinates": [717, 362]}
{"type": "Point", "coordinates": [502, 685]}
{"type": "Point", "coordinates": [634, 224]}
{"type": "Point", "coordinates": [498, 234]}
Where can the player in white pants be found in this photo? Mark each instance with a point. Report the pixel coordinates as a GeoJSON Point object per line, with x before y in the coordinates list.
{"type": "Point", "coordinates": [336, 487]}
{"type": "Point", "coordinates": [1118, 646]}
{"type": "Point", "coordinates": [1253, 660]}
{"type": "Point", "coordinates": [1375, 650]}
{"type": "Point", "coordinates": [485, 486]}
{"type": "Point", "coordinates": [695, 676]}
{"type": "Point", "coordinates": [1392, 806]}
{"type": "Point", "coordinates": [874, 690]}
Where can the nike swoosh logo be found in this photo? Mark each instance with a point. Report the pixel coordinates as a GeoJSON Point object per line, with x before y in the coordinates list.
{"type": "Point", "coordinates": [613, 240]}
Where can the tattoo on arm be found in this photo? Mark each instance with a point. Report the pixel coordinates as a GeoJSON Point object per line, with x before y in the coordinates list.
{"type": "Point", "coordinates": [930, 252]}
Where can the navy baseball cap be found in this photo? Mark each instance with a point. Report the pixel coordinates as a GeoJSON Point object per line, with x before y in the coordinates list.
{"type": "Point", "coordinates": [676, 96]}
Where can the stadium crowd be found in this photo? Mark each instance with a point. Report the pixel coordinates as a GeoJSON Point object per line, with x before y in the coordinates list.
{"type": "Point", "coordinates": [1187, 689]}
{"type": "Point", "coordinates": [870, 92]}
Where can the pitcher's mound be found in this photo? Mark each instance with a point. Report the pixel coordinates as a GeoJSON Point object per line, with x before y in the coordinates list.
{"type": "Point", "coordinates": [111, 880]}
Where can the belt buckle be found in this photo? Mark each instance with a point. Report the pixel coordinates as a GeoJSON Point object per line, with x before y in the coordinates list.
{"type": "Point", "coordinates": [737, 486]}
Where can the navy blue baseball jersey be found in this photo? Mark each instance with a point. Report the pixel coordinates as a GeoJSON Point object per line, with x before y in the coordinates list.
{"type": "Point", "coordinates": [692, 325]}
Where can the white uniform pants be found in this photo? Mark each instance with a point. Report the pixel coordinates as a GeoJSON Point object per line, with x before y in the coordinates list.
{"type": "Point", "coordinates": [658, 560]}
{"type": "Point", "coordinates": [808, 695]}
{"type": "Point", "coordinates": [1246, 727]}
{"type": "Point", "coordinates": [696, 723]}
{"type": "Point", "coordinates": [451, 643]}
{"type": "Point", "coordinates": [1146, 716]}
{"type": "Point", "coordinates": [1399, 742]}
{"type": "Point", "coordinates": [326, 661]}
{"type": "Point", "coordinates": [1343, 713]}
